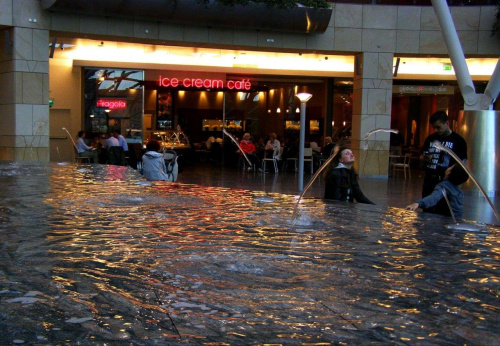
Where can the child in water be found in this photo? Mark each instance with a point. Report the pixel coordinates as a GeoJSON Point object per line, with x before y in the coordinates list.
{"type": "Point", "coordinates": [435, 202]}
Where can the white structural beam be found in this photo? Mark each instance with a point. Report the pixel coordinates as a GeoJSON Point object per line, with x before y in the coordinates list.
{"type": "Point", "coordinates": [472, 100]}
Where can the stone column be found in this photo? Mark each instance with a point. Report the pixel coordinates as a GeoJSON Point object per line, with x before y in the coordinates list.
{"type": "Point", "coordinates": [24, 95]}
{"type": "Point", "coordinates": [372, 110]}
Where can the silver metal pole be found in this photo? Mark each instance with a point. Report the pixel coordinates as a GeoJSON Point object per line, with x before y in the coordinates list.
{"type": "Point", "coordinates": [302, 139]}
{"type": "Point", "coordinates": [455, 51]}
{"type": "Point", "coordinates": [493, 87]}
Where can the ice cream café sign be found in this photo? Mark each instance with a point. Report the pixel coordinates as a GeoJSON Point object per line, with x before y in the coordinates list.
{"type": "Point", "coordinates": [199, 83]}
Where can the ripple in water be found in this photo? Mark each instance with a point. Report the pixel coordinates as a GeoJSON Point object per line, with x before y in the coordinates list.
{"type": "Point", "coordinates": [95, 258]}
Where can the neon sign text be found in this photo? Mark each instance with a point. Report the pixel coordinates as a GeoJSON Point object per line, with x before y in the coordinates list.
{"type": "Point", "coordinates": [111, 103]}
{"type": "Point", "coordinates": [199, 83]}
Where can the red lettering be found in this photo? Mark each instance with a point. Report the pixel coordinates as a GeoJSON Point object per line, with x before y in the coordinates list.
{"type": "Point", "coordinates": [111, 103]}
{"type": "Point", "coordinates": [243, 84]}
{"type": "Point", "coordinates": [218, 84]}
{"type": "Point", "coordinates": [165, 82]}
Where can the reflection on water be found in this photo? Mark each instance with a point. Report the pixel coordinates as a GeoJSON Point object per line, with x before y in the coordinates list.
{"type": "Point", "coordinates": [89, 255]}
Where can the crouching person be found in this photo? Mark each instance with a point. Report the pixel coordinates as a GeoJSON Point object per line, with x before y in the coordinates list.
{"type": "Point", "coordinates": [153, 163]}
{"type": "Point", "coordinates": [436, 203]}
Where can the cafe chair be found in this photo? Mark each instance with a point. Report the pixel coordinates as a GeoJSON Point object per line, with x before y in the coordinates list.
{"type": "Point", "coordinates": [402, 166]}
{"type": "Point", "coordinates": [308, 157]}
{"type": "Point", "coordinates": [276, 156]}
{"type": "Point", "coordinates": [116, 156]}
{"type": "Point", "coordinates": [80, 159]}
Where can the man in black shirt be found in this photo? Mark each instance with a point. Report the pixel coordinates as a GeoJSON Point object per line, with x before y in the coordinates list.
{"type": "Point", "coordinates": [437, 161]}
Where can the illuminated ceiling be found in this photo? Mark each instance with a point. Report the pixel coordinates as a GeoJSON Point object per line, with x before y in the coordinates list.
{"type": "Point", "coordinates": [86, 52]}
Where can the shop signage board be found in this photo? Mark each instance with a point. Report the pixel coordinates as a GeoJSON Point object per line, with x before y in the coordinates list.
{"type": "Point", "coordinates": [423, 89]}
{"type": "Point", "coordinates": [199, 83]}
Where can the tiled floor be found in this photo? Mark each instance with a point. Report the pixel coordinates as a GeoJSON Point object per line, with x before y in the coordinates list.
{"type": "Point", "coordinates": [392, 192]}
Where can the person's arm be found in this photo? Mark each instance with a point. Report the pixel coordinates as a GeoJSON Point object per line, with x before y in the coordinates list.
{"type": "Point", "coordinates": [81, 146]}
{"type": "Point", "coordinates": [431, 200]}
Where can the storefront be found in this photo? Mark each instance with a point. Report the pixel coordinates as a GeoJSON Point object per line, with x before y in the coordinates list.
{"type": "Point", "coordinates": [157, 104]}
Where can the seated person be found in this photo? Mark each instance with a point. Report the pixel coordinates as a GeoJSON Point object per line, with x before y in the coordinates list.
{"type": "Point", "coordinates": [153, 163]}
{"type": "Point", "coordinates": [341, 180]}
{"type": "Point", "coordinates": [250, 151]}
{"type": "Point", "coordinates": [273, 147]}
{"type": "Point", "coordinates": [435, 202]}
{"type": "Point", "coordinates": [84, 150]}
{"type": "Point", "coordinates": [114, 151]}
{"type": "Point", "coordinates": [112, 141]}
{"type": "Point", "coordinates": [327, 149]}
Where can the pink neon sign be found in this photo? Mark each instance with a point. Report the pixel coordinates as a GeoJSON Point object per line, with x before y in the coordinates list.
{"type": "Point", "coordinates": [199, 83]}
{"type": "Point", "coordinates": [111, 103]}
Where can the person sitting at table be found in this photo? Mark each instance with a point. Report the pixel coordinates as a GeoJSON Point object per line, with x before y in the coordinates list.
{"type": "Point", "coordinates": [153, 163]}
{"type": "Point", "coordinates": [114, 151]}
{"type": "Point", "coordinates": [327, 149]}
{"type": "Point", "coordinates": [250, 151]}
{"type": "Point", "coordinates": [273, 147]}
{"type": "Point", "coordinates": [84, 150]}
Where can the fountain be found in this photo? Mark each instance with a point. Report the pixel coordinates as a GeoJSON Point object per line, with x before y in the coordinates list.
{"type": "Point", "coordinates": [95, 257]}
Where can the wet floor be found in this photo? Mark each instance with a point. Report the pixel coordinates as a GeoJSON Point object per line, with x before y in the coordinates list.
{"type": "Point", "coordinates": [94, 255]}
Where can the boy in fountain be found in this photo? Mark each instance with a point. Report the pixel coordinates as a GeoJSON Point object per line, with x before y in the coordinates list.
{"type": "Point", "coordinates": [436, 203]}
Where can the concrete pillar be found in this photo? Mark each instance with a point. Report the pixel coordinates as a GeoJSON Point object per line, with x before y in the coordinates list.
{"type": "Point", "coordinates": [372, 110]}
{"type": "Point", "coordinates": [24, 95]}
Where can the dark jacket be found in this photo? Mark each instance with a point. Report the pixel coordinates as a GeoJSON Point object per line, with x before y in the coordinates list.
{"type": "Point", "coordinates": [342, 185]}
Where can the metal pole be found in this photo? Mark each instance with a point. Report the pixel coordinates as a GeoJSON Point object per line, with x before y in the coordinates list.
{"type": "Point", "coordinates": [456, 53]}
{"type": "Point", "coordinates": [302, 144]}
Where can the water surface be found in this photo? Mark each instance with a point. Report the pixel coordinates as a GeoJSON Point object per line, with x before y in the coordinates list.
{"type": "Point", "coordinates": [90, 254]}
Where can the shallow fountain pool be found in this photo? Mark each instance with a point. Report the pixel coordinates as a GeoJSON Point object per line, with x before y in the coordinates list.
{"type": "Point", "coordinates": [94, 254]}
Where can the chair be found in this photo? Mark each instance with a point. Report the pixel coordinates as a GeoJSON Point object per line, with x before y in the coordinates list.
{"type": "Point", "coordinates": [308, 157]}
{"type": "Point", "coordinates": [403, 166]}
{"type": "Point", "coordinates": [275, 158]}
{"type": "Point", "coordinates": [116, 156]}
{"type": "Point", "coordinates": [80, 159]}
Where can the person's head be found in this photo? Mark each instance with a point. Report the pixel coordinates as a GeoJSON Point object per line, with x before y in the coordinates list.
{"type": "Point", "coordinates": [440, 124]}
{"type": "Point", "coordinates": [328, 140]}
{"type": "Point", "coordinates": [456, 175]}
{"type": "Point", "coordinates": [153, 145]}
{"type": "Point", "coordinates": [344, 156]}
{"type": "Point", "coordinates": [117, 133]}
{"type": "Point", "coordinates": [246, 136]}
{"type": "Point", "coordinates": [272, 136]}
{"type": "Point", "coordinates": [81, 134]}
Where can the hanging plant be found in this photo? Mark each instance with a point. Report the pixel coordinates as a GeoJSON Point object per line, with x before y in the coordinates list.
{"type": "Point", "coordinates": [274, 3]}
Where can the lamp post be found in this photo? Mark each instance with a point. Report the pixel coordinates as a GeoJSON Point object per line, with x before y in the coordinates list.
{"type": "Point", "coordinates": [303, 97]}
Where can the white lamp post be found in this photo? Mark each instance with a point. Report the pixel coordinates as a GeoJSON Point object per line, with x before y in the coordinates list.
{"type": "Point", "coordinates": [303, 97]}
